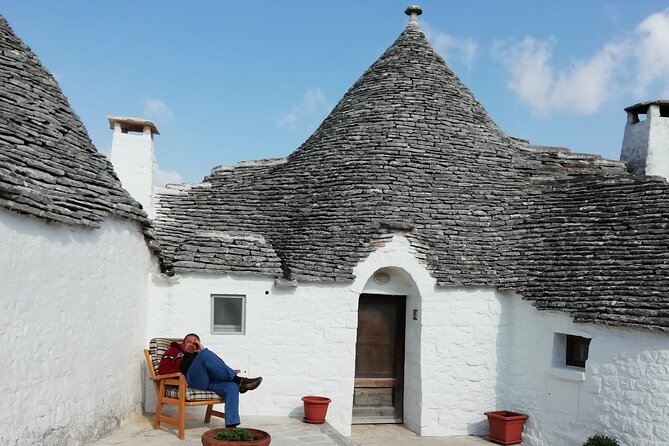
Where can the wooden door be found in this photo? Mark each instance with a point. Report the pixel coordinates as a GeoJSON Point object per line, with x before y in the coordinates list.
{"type": "Point", "coordinates": [379, 360]}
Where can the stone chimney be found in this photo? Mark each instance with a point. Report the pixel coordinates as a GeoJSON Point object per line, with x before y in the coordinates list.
{"type": "Point", "coordinates": [413, 11]}
{"type": "Point", "coordinates": [133, 157]}
{"type": "Point", "coordinates": [645, 147]}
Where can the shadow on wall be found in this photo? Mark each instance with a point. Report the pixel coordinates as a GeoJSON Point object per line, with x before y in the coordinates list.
{"type": "Point", "coordinates": [503, 357]}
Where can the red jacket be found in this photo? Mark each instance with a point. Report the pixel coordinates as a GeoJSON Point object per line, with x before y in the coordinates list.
{"type": "Point", "coordinates": [171, 360]}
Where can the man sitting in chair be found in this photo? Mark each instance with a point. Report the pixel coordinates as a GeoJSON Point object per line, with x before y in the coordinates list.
{"type": "Point", "coordinates": [206, 371]}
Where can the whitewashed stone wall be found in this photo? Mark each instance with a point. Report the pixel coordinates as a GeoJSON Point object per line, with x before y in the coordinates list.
{"type": "Point", "coordinates": [302, 341]}
{"type": "Point", "coordinates": [72, 328]}
{"type": "Point", "coordinates": [623, 392]}
{"type": "Point", "coordinates": [645, 145]}
{"type": "Point", "coordinates": [465, 348]}
{"type": "Point", "coordinates": [454, 350]}
{"type": "Point", "coordinates": [134, 159]}
{"type": "Point", "coordinates": [468, 351]}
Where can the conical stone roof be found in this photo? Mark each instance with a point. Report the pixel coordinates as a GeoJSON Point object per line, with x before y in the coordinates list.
{"type": "Point", "coordinates": [408, 141]}
{"type": "Point", "coordinates": [409, 149]}
{"type": "Point", "coordinates": [48, 166]}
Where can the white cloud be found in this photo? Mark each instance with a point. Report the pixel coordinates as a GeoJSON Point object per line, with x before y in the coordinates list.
{"type": "Point", "coordinates": [313, 103]}
{"type": "Point", "coordinates": [527, 62]}
{"type": "Point", "coordinates": [314, 100]}
{"type": "Point", "coordinates": [157, 110]}
{"type": "Point", "coordinates": [450, 47]}
{"type": "Point", "coordinates": [287, 120]}
{"type": "Point", "coordinates": [163, 177]}
{"type": "Point", "coordinates": [651, 51]}
{"type": "Point", "coordinates": [581, 89]}
{"type": "Point", "coordinates": [636, 64]}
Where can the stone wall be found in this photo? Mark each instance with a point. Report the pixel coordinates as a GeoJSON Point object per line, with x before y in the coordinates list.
{"type": "Point", "coordinates": [469, 350]}
{"type": "Point", "coordinates": [73, 325]}
{"type": "Point", "coordinates": [465, 350]}
{"type": "Point", "coordinates": [645, 146]}
{"type": "Point", "coordinates": [133, 156]}
{"type": "Point", "coordinates": [623, 390]}
{"type": "Point", "coordinates": [302, 340]}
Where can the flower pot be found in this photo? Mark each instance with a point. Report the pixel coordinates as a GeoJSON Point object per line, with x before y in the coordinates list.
{"type": "Point", "coordinates": [315, 408]}
{"type": "Point", "coordinates": [260, 438]}
{"type": "Point", "coordinates": [505, 427]}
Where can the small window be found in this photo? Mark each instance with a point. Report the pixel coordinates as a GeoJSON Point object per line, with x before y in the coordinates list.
{"type": "Point", "coordinates": [228, 314]}
{"type": "Point", "coordinates": [577, 350]}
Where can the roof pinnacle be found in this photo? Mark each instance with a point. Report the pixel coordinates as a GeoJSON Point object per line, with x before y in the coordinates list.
{"type": "Point", "coordinates": [413, 11]}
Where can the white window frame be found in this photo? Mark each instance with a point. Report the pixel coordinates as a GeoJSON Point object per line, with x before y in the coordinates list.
{"type": "Point", "coordinates": [229, 329]}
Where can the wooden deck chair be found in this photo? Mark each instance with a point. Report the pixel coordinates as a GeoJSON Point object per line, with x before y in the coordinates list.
{"type": "Point", "coordinates": [172, 389]}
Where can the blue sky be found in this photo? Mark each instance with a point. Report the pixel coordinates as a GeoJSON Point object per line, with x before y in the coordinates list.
{"type": "Point", "coordinates": [229, 81]}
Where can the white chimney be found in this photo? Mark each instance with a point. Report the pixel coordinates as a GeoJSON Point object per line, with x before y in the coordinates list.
{"type": "Point", "coordinates": [413, 11]}
{"type": "Point", "coordinates": [133, 157]}
{"type": "Point", "coordinates": [645, 147]}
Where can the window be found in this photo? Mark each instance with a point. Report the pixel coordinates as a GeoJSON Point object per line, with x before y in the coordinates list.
{"type": "Point", "coordinates": [228, 314]}
{"type": "Point", "coordinates": [570, 350]}
{"type": "Point", "coordinates": [577, 350]}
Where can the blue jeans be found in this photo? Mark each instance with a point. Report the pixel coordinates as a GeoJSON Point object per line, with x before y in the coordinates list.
{"type": "Point", "coordinates": [209, 372]}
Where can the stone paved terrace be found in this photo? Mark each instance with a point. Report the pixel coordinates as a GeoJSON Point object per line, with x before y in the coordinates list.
{"type": "Point", "coordinates": [285, 431]}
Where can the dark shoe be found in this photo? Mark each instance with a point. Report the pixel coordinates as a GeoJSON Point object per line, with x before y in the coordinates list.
{"type": "Point", "coordinates": [247, 384]}
{"type": "Point", "coordinates": [231, 426]}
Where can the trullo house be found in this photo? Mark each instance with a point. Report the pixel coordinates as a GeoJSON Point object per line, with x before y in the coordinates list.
{"type": "Point", "coordinates": [409, 260]}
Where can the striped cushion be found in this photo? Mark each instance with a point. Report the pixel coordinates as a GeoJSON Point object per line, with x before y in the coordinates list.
{"type": "Point", "coordinates": [157, 347]}
{"type": "Point", "coordinates": [191, 394]}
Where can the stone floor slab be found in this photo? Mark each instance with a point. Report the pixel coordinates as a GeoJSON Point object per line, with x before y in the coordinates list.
{"type": "Point", "coordinates": [285, 431]}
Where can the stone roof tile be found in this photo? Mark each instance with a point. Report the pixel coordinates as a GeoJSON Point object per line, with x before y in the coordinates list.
{"type": "Point", "coordinates": [49, 167]}
{"type": "Point", "coordinates": [409, 149]}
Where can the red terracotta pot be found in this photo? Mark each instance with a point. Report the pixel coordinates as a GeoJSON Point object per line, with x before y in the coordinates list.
{"type": "Point", "coordinates": [315, 408]}
{"type": "Point", "coordinates": [260, 438]}
{"type": "Point", "coordinates": [505, 427]}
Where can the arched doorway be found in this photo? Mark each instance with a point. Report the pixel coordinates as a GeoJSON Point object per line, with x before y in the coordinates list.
{"type": "Point", "coordinates": [379, 364]}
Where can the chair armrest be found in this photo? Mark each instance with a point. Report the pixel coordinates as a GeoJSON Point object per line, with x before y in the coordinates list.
{"type": "Point", "coordinates": [169, 375]}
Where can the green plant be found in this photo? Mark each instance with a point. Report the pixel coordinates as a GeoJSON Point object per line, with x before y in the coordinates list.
{"type": "Point", "coordinates": [234, 435]}
{"type": "Point", "coordinates": [601, 440]}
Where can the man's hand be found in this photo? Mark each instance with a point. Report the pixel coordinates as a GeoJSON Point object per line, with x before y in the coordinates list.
{"type": "Point", "coordinates": [199, 347]}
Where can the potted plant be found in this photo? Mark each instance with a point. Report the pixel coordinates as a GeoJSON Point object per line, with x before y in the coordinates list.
{"type": "Point", "coordinates": [601, 440]}
{"type": "Point", "coordinates": [505, 427]}
{"type": "Point", "coordinates": [235, 437]}
{"type": "Point", "coordinates": [315, 408]}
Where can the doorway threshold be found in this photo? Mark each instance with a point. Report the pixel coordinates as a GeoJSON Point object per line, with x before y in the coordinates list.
{"type": "Point", "coordinates": [376, 420]}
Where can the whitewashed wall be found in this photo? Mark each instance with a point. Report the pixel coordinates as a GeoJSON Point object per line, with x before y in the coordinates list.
{"type": "Point", "coordinates": [302, 341]}
{"type": "Point", "coordinates": [469, 351]}
{"type": "Point", "coordinates": [134, 160]}
{"type": "Point", "coordinates": [465, 351]}
{"type": "Point", "coordinates": [623, 392]}
{"type": "Point", "coordinates": [646, 143]}
{"type": "Point", "coordinates": [71, 329]}
{"type": "Point", "coordinates": [455, 349]}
